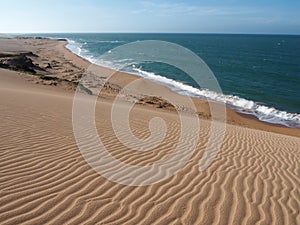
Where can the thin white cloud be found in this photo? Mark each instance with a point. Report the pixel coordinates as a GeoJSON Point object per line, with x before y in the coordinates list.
{"type": "Point", "coordinates": [167, 9]}
{"type": "Point", "coordinates": [271, 20]}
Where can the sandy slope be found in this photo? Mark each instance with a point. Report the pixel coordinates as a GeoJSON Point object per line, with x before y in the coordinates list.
{"type": "Point", "coordinates": [45, 180]}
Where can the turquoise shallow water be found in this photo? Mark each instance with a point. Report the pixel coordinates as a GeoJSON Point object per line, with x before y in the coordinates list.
{"type": "Point", "coordinates": [259, 74]}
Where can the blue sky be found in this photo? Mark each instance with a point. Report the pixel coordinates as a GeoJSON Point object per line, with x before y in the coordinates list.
{"type": "Point", "coordinates": [209, 16]}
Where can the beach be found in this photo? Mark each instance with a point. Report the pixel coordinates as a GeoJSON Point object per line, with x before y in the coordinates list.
{"type": "Point", "coordinates": [45, 179]}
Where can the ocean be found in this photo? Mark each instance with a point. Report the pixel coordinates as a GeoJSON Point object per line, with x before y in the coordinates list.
{"type": "Point", "coordinates": [258, 74]}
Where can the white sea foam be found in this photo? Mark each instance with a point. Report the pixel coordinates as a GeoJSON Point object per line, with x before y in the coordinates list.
{"type": "Point", "coordinates": [78, 49]}
{"type": "Point", "coordinates": [262, 112]}
{"type": "Point", "coordinates": [74, 47]}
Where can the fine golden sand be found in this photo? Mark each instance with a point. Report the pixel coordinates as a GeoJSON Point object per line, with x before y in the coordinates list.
{"type": "Point", "coordinates": [44, 179]}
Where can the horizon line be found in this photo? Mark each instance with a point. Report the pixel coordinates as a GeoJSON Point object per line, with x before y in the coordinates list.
{"type": "Point", "coordinates": [96, 32]}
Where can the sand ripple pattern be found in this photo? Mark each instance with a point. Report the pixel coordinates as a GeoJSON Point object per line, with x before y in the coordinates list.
{"type": "Point", "coordinates": [255, 178]}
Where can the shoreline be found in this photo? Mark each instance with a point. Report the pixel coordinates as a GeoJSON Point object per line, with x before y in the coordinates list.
{"type": "Point", "coordinates": [235, 120]}
{"type": "Point", "coordinates": [245, 106]}
{"type": "Point", "coordinates": [120, 79]}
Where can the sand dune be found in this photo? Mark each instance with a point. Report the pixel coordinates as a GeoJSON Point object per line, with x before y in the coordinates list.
{"type": "Point", "coordinates": [45, 180]}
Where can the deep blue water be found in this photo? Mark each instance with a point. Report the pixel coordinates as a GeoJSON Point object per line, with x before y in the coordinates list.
{"type": "Point", "coordinates": [264, 69]}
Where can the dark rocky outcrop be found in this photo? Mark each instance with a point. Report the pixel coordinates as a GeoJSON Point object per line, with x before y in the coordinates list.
{"type": "Point", "coordinates": [155, 101]}
{"type": "Point", "coordinates": [19, 62]}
